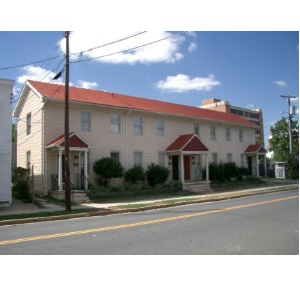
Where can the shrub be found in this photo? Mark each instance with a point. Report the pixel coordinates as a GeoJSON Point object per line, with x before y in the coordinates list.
{"type": "Point", "coordinates": [156, 174]}
{"type": "Point", "coordinates": [135, 175]}
{"type": "Point", "coordinates": [21, 183]}
{"type": "Point", "coordinates": [230, 170]}
{"type": "Point", "coordinates": [106, 168]}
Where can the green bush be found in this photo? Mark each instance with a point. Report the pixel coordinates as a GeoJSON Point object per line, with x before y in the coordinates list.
{"type": "Point", "coordinates": [106, 168]}
{"type": "Point", "coordinates": [156, 174]}
{"type": "Point", "coordinates": [134, 175]}
{"type": "Point", "coordinates": [21, 183]}
{"type": "Point", "coordinates": [230, 170]}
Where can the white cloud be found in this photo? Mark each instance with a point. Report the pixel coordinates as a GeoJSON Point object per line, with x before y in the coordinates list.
{"type": "Point", "coordinates": [182, 83]}
{"type": "Point", "coordinates": [167, 50]}
{"type": "Point", "coordinates": [87, 85]}
{"type": "Point", "coordinates": [192, 46]}
{"type": "Point", "coordinates": [280, 83]}
{"type": "Point", "coordinates": [35, 73]}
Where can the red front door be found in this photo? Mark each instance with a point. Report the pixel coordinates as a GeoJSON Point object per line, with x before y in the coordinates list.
{"type": "Point", "coordinates": [187, 168]}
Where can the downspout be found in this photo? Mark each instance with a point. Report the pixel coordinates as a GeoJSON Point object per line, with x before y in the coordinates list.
{"type": "Point", "coordinates": [126, 139]}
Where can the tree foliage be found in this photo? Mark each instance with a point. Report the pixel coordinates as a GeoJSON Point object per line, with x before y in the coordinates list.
{"type": "Point", "coordinates": [106, 168]}
{"type": "Point", "coordinates": [279, 144]}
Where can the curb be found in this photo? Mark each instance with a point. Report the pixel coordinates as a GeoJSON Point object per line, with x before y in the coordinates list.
{"type": "Point", "coordinates": [155, 205]}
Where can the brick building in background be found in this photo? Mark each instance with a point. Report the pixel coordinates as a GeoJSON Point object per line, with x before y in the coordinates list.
{"type": "Point", "coordinates": [253, 115]}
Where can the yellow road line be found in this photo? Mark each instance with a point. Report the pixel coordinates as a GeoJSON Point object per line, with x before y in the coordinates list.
{"type": "Point", "coordinates": [97, 230]}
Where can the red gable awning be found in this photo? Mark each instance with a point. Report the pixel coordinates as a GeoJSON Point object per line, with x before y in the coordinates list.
{"type": "Point", "coordinates": [74, 142]}
{"type": "Point", "coordinates": [256, 148]}
{"type": "Point", "coordinates": [188, 142]}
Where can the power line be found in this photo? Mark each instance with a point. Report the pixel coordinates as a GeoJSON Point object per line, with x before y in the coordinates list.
{"type": "Point", "coordinates": [129, 49]}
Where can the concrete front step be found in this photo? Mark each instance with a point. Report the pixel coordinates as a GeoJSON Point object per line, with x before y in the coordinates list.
{"type": "Point", "coordinates": [78, 196]}
{"type": "Point", "coordinates": [197, 187]}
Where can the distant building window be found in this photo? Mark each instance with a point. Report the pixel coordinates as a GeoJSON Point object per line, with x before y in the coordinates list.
{"type": "Point", "coordinates": [229, 157]}
{"type": "Point", "coordinates": [115, 156]}
{"type": "Point", "coordinates": [241, 137]}
{"type": "Point", "coordinates": [85, 121]}
{"type": "Point", "coordinates": [227, 133]}
{"type": "Point", "coordinates": [161, 159]}
{"type": "Point", "coordinates": [28, 160]}
{"type": "Point", "coordinates": [196, 129]}
{"type": "Point", "coordinates": [115, 124]}
{"type": "Point", "coordinates": [28, 124]}
{"type": "Point", "coordinates": [138, 126]}
{"type": "Point", "coordinates": [213, 135]}
{"type": "Point", "coordinates": [214, 157]}
{"type": "Point", "coordinates": [160, 127]}
{"type": "Point", "coordinates": [138, 159]}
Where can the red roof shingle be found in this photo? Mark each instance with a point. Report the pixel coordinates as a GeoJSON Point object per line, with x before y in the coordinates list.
{"type": "Point", "coordinates": [255, 148]}
{"type": "Point", "coordinates": [81, 95]}
{"type": "Point", "coordinates": [188, 142]}
{"type": "Point", "coordinates": [74, 142]}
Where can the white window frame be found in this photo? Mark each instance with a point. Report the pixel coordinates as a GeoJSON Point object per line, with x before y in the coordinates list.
{"type": "Point", "coordinates": [229, 157]}
{"type": "Point", "coordinates": [197, 129]}
{"type": "Point", "coordinates": [138, 162]}
{"type": "Point", "coordinates": [138, 126]}
{"type": "Point", "coordinates": [115, 153]}
{"type": "Point", "coordinates": [28, 124]}
{"type": "Point", "coordinates": [160, 128]}
{"type": "Point", "coordinates": [85, 124]}
{"type": "Point", "coordinates": [241, 135]}
{"type": "Point", "coordinates": [161, 159]}
{"type": "Point", "coordinates": [213, 133]}
{"type": "Point", "coordinates": [227, 133]}
{"type": "Point", "coordinates": [214, 157]}
{"type": "Point", "coordinates": [115, 124]}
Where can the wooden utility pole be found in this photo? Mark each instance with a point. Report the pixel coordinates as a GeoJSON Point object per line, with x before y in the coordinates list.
{"type": "Point", "coordinates": [67, 160]}
{"type": "Point", "coordinates": [290, 121]}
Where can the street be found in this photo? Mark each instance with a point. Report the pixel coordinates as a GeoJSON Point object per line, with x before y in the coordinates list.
{"type": "Point", "coordinates": [266, 224]}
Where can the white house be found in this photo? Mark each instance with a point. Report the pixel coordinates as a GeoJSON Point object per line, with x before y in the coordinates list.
{"type": "Point", "coordinates": [6, 90]}
{"type": "Point", "coordinates": [132, 130]}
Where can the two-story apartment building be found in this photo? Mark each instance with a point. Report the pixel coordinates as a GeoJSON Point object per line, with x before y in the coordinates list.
{"type": "Point", "coordinates": [6, 90]}
{"type": "Point", "coordinates": [132, 130]}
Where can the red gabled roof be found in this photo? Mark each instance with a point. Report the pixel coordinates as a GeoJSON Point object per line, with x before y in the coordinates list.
{"type": "Point", "coordinates": [188, 142]}
{"type": "Point", "coordinates": [81, 95]}
{"type": "Point", "coordinates": [255, 148]}
{"type": "Point", "coordinates": [74, 142]}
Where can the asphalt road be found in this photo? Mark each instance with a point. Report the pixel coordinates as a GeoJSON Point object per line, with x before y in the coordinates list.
{"type": "Point", "coordinates": [266, 224]}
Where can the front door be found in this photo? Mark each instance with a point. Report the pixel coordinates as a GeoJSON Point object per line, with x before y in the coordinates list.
{"type": "Point", "coordinates": [187, 168]}
{"type": "Point", "coordinates": [250, 165]}
{"type": "Point", "coordinates": [175, 168]}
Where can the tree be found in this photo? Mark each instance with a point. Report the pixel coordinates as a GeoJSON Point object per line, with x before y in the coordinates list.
{"type": "Point", "coordinates": [279, 144]}
{"type": "Point", "coordinates": [107, 168]}
{"type": "Point", "coordinates": [14, 132]}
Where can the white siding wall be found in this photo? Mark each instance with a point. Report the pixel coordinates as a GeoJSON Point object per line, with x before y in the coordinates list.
{"type": "Point", "coordinates": [33, 141]}
{"type": "Point", "coordinates": [6, 90]}
{"type": "Point", "coordinates": [103, 141]}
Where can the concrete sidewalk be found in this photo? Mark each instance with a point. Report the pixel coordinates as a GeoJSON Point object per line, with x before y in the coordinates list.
{"type": "Point", "coordinates": [18, 207]}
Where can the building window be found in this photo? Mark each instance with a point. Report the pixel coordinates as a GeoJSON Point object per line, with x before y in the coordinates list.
{"type": "Point", "coordinates": [115, 156]}
{"type": "Point", "coordinates": [28, 160]}
{"type": "Point", "coordinates": [227, 133]}
{"type": "Point", "coordinates": [242, 160]}
{"type": "Point", "coordinates": [138, 159]}
{"type": "Point", "coordinates": [196, 129]}
{"type": "Point", "coordinates": [85, 121]}
{"type": "Point", "coordinates": [214, 157]}
{"type": "Point", "coordinates": [28, 124]}
{"type": "Point", "coordinates": [161, 159]}
{"type": "Point", "coordinates": [213, 134]}
{"type": "Point", "coordinates": [138, 126]}
{"type": "Point", "coordinates": [115, 124]}
{"type": "Point", "coordinates": [229, 157]}
{"type": "Point", "coordinates": [241, 135]}
{"type": "Point", "coordinates": [160, 127]}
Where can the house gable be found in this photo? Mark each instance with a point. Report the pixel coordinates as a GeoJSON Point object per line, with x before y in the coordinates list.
{"type": "Point", "coordinates": [188, 142]}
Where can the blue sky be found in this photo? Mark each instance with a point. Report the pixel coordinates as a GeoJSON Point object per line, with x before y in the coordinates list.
{"type": "Point", "coordinates": [247, 69]}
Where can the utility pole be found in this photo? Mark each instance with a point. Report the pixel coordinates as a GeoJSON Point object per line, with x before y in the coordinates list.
{"type": "Point", "coordinates": [67, 160]}
{"type": "Point", "coordinates": [290, 120]}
